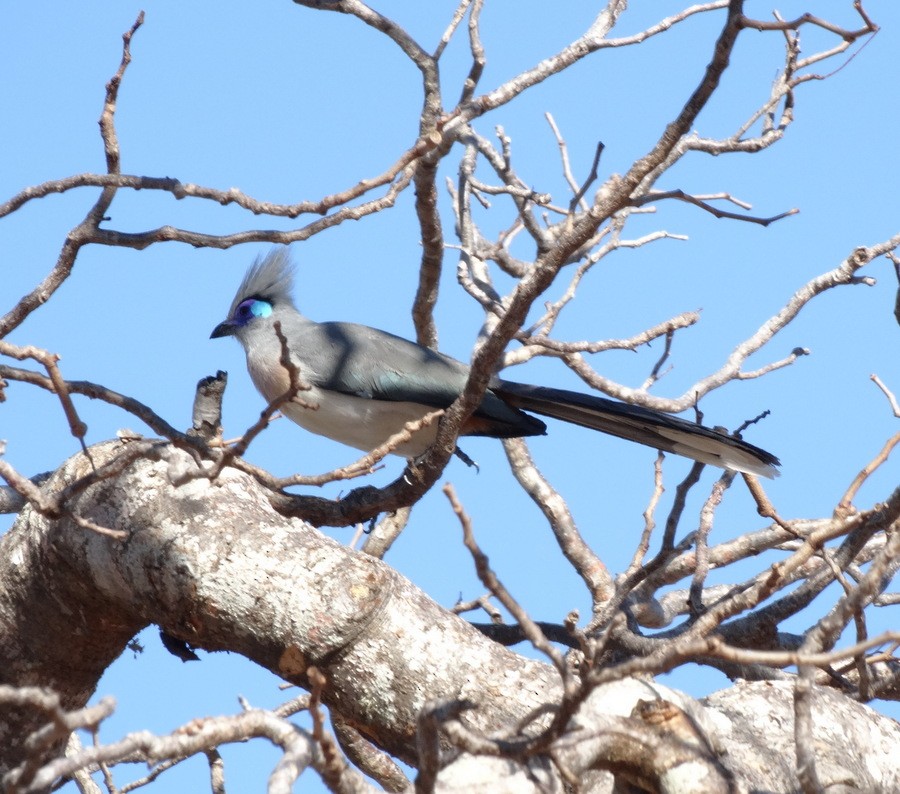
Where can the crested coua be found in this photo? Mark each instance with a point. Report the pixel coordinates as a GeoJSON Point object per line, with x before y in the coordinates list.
{"type": "Point", "coordinates": [364, 385]}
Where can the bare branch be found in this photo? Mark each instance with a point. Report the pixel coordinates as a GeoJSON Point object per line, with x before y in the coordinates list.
{"type": "Point", "coordinates": [697, 201]}
{"type": "Point", "coordinates": [452, 26]}
{"type": "Point", "coordinates": [57, 384]}
{"type": "Point", "coordinates": [810, 19]}
{"type": "Point", "coordinates": [844, 274]}
{"type": "Point", "coordinates": [589, 179]}
{"type": "Point", "coordinates": [477, 50]}
{"type": "Point", "coordinates": [97, 392]}
{"type": "Point", "coordinates": [895, 406]}
{"type": "Point", "coordinates": [367, 463]}
{"type": "Point", "coordinates": [846, 503]}
{"type": "Point", "coordinates": [564, 157]}
{"type": "Point", "coordinates": [491, 582]}
{"type": "Point", "coordinates": [586, 563]}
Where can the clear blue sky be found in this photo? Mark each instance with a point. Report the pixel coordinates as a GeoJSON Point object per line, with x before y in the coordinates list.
{"type": "Point", "coordinates": [289, 104]}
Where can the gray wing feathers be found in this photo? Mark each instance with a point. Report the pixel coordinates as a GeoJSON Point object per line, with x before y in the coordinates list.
{"type": "Point", "coordinates": [355, 359]}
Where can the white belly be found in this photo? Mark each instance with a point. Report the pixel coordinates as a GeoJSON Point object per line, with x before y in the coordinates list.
{"type": "Point", "coordinates": [360, 422]}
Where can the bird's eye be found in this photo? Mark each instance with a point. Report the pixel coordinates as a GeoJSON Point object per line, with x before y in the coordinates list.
{"type": "Point", "coordinates": [251, 308]}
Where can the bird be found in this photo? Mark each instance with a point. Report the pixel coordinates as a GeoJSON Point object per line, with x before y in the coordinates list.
{"type": "Point", "coordinates": [362, 385]}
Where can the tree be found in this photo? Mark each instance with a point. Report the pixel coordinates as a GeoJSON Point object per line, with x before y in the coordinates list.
{"type": "Point", "coordinates": [187, 533]}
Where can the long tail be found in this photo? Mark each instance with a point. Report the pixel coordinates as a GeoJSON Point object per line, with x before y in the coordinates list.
{"type": "Point", "coordinates": [643, 425]}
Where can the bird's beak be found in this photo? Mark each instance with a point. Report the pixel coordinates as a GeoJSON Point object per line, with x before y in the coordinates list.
{"type": "Point", "coordinates": [227, 328]}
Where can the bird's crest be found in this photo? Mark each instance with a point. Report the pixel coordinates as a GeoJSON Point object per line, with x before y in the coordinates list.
{"type": "Point", "coordinates": [270, 278]}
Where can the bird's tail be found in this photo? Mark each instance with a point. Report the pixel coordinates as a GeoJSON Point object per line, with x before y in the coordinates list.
{"type": "Point", "coordinates": [643, 425]}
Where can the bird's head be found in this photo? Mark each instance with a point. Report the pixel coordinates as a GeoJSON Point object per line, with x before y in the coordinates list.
{"type": "Point", "coordinates": [245, 315]}
{"type": "Point", "coordinates": [264, 291]}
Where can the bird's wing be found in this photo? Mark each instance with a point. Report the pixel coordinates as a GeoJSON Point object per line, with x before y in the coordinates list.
{"type": "Point", "coordinates": [643, 425]}
{"type": "Point", "coordinates": [365, 362]}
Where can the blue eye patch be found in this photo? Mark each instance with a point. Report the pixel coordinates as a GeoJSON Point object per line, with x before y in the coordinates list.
{"type": "Point", "coordinates": [250, 308]}
{"type": "Point", "coordinates": [261, 308]}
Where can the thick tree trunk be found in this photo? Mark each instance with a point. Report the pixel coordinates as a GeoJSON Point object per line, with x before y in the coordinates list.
{"type": "Point", "coordinates": [215, 565]}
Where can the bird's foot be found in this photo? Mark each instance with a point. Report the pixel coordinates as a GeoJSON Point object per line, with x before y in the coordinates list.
{"type": "Point", "coordinates": [466, 459]}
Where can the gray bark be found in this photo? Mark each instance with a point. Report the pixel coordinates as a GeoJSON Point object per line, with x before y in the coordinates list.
{"type": "Point", "coordinates": [215, 565]}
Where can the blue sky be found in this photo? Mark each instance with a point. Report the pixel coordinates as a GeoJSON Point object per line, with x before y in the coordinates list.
{"type": "Point", "coordinates": [289, 104]}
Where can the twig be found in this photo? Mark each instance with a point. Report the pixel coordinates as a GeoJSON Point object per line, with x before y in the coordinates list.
{"type": "Point", "coordinates": [590, 179]}
{"type": "Point", "coordinates": [763, 505]}
{"type": "Point", "coordinates": [385, 532]}
{"type": "Point", "coordinates": [658, 195]}
{"type": "Point", "coordinates": [777, 658]}
{"type": "Point", "coordinates": [846, 503]}
{"type": "Point", "coordinates": [546, 345]}
{"type": "Point", "coordinates": [59, 385]}
{"type": "Point", "coordinates": [295, 386]}
{"type": "Point", "coordinates": [483, 603]}
{"type": "Point", "coordinates": [371, 760]}
{"type": "Point", "coordinates": [844, 274]}
{"type": "Point", "coordinates": [810, 19]}
{"type": "Point", "coordinates": [335, 765]}
{"type": "Point", "coordinates": [95, 391]}
{"type": "Point", "coordinates": [796, 353]}
{"type": "Point", "coordinates": [579, 553]}
{"type": "Point", "coordinates": [451, 28]}
{"type": "Point", "coordinates": [649, 520]}
{"type": "Point", "coordinates": [53, 506]}
{"type": "Point", "coordinates": [78, 236]}
{"type": "Point", "coordinates": [492, 583]}
{"type": "Point", "coordinates": [564, 156]}
{"type": "Point", "coordinates": [895, 406]}
{"type": "Point", "coordinates": [197, 737]}
{"type": "Point", "coordinates": [216, 771]}
{"type": "Point", "coordinates": [477, 50]}
{"type": "Point", "coordinates": [434, 716]}
{"type": "Point", "coordinates": [701, 541]}
{"type": "Point", "coordinates": [367, 463]}
{"type": "Point", "coordinates": [664, 356]}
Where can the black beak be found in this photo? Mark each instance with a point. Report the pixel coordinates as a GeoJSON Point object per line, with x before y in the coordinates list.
{"type": "Point", "coordinates": [223, 329]}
